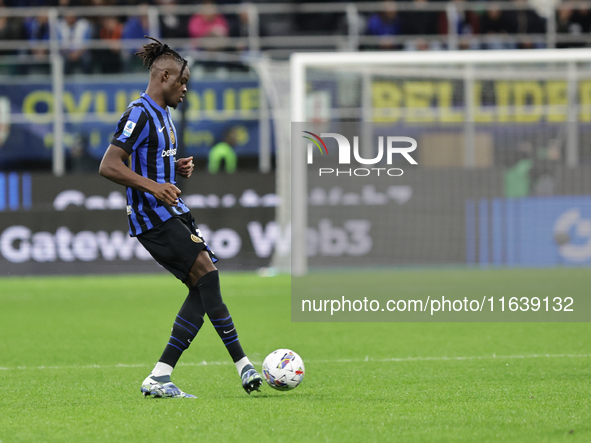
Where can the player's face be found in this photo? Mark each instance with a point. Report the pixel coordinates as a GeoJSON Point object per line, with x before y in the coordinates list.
{"type": "Point", "coordinates": [176, 86]}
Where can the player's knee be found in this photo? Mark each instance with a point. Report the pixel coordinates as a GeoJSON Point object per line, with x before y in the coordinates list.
{"type": "Point", "coordinates": [211, 296]}
{"type": "Point", "coordinates": [220, 311]}
{"type": "Point", "coordinates": [191, 282]}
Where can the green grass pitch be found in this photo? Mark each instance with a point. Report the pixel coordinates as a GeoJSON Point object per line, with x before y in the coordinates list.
{"type": "Point", "coordinates": [74, 351]}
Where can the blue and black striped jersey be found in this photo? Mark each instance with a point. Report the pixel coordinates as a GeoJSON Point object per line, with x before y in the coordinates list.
{"type": "Point", "coordinates": [145, 131]}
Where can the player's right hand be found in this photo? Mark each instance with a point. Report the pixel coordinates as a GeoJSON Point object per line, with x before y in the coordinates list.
{"type": "Point", "coordinates": [168, 193]}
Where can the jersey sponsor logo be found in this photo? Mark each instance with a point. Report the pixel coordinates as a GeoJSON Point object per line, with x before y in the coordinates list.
{"type": "Point", "coordinates": [161, 129]}
{"type": "Point", "coordinates": [128, 128]}
{"type": "Point", "coordinates": [169, 153]}
{"type": "Point", "coordinates": [172, 137]}
{"type": "Point", "coordinates": [196, 239]}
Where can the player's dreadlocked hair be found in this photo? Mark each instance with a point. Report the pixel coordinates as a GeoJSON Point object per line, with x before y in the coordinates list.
{"type": "Point", "coordinates": [154, 50]}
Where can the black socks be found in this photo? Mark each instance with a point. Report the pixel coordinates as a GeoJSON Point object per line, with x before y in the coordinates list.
{"type": "Point", "coordinates": [209, 288]}
{"type": "Point", "coordinates": [186, 325]}
{"type": "Point", "coordinates": [227, 332]}
{"type": "Point", "coordinates": [205, 297]}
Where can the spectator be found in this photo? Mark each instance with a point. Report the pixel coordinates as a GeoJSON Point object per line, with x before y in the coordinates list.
{"type": "Point", "coordinates": [95, 20]}
{"type": "Point", "coordinates": [80, 159]}
{"type": "Point", "coordinates": [37, 30]}
{"type": "Point", "coordinates": [573, 22]}
{"type": "Point", "coordinates": [582, 17]}
{"type": "Point", "coordinates": [67, 3]}
{"type": "Point", "coordinates": [74, 34]}
{"type": "Point", "coordinates": [102, 2]}
{"type": "Point", "coordinates": [495, 24]}
{"type": "Point", "coordinates": [109, 59]}
{"type": "Point", "coordinates": [240, 25]}
{"type": "Point", "coordinates": [172, 25]}
{"type": "Point", "coordinates": [517, 180]}
{"type": "Point", "coordinates": [135, 29]}
{"type": "Point", "coordinates": [32, 3]}
{"type": "Point", "coordinates": [138, 26]}
{"type": "Point", "coordinates": [466, 25]}
{"type": "Point", "coordinates": [317, 23]}
{"type": "Point", "coordinates": [10, 29]}
{"type": "Point", "coordinates": [527, 21]}
{"type": "Point", "coordinates": [223, 153]}
{"type": "Point", "coordinates": [565, 21]}
{"type": "Point", "coordinates": [567, 24]}
{"type": "Point", "coordinates": [421, 44]}
{"type": "Point", "coordinates": [208, 23]}
{"type": "Point", "coordinates": [385, 24]}
{"type": "Point", "coordinates": [419, 21]}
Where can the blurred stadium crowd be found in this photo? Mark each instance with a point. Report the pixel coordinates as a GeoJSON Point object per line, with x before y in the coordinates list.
{"type": "Point", "coordinates": [407, 25]}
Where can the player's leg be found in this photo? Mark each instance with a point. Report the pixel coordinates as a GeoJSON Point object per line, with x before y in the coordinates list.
{"type": "Point", "coordinates": [204, 277]}
{"type": "Point", "coordinates": [171, 245]}
{"type": "Point", "coordinates": [185, 327]}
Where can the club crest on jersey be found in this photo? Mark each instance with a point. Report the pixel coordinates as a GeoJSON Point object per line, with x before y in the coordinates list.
{"type": "Point", "coordinates": [128, 128]}
{"type": "Point", "coordinates": [196, 239]}
{"type": "Point", "coordinates": [172, 137]}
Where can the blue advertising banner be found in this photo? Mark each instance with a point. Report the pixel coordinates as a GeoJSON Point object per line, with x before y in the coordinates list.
{"type": "Point", "coordinates": [92, 110]}
{"type": "Point", "coordinates": [534, 231]}
{"type": "Point", "coordinates": [77, 224]}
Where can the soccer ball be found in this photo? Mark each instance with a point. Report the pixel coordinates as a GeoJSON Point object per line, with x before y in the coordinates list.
{"type": "Point", "coordinates": [283, 369]}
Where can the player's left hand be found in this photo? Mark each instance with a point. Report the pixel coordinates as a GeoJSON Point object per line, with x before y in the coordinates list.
{"type": "Point", "coordinates": [185, 166]}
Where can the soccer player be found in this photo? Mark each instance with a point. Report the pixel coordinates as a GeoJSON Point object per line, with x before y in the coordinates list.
{"type": "Point", "coordinates": [146, 139]}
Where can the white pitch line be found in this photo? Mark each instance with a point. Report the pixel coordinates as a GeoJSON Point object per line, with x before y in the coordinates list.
{"type": "Point", "coordinates": [118, 365]}
{"type": "Point", "coordinates": [366, 359]}
{"type": "Point", "coordinates": [484, 357]}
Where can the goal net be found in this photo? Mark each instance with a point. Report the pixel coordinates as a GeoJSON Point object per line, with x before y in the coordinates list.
{"type": "Point", "coordinates": [503, 153]}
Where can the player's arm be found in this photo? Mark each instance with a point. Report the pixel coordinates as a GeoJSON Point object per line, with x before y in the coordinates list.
{"type": "Point", "coordinates": [113, 167]}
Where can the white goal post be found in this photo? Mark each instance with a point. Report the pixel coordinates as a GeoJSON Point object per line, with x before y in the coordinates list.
{"type": "Point", "coordinates": [570, 65]}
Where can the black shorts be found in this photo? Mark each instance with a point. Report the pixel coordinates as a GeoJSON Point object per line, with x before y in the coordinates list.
{"type": "Point", "coordinates": [175, 244]}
